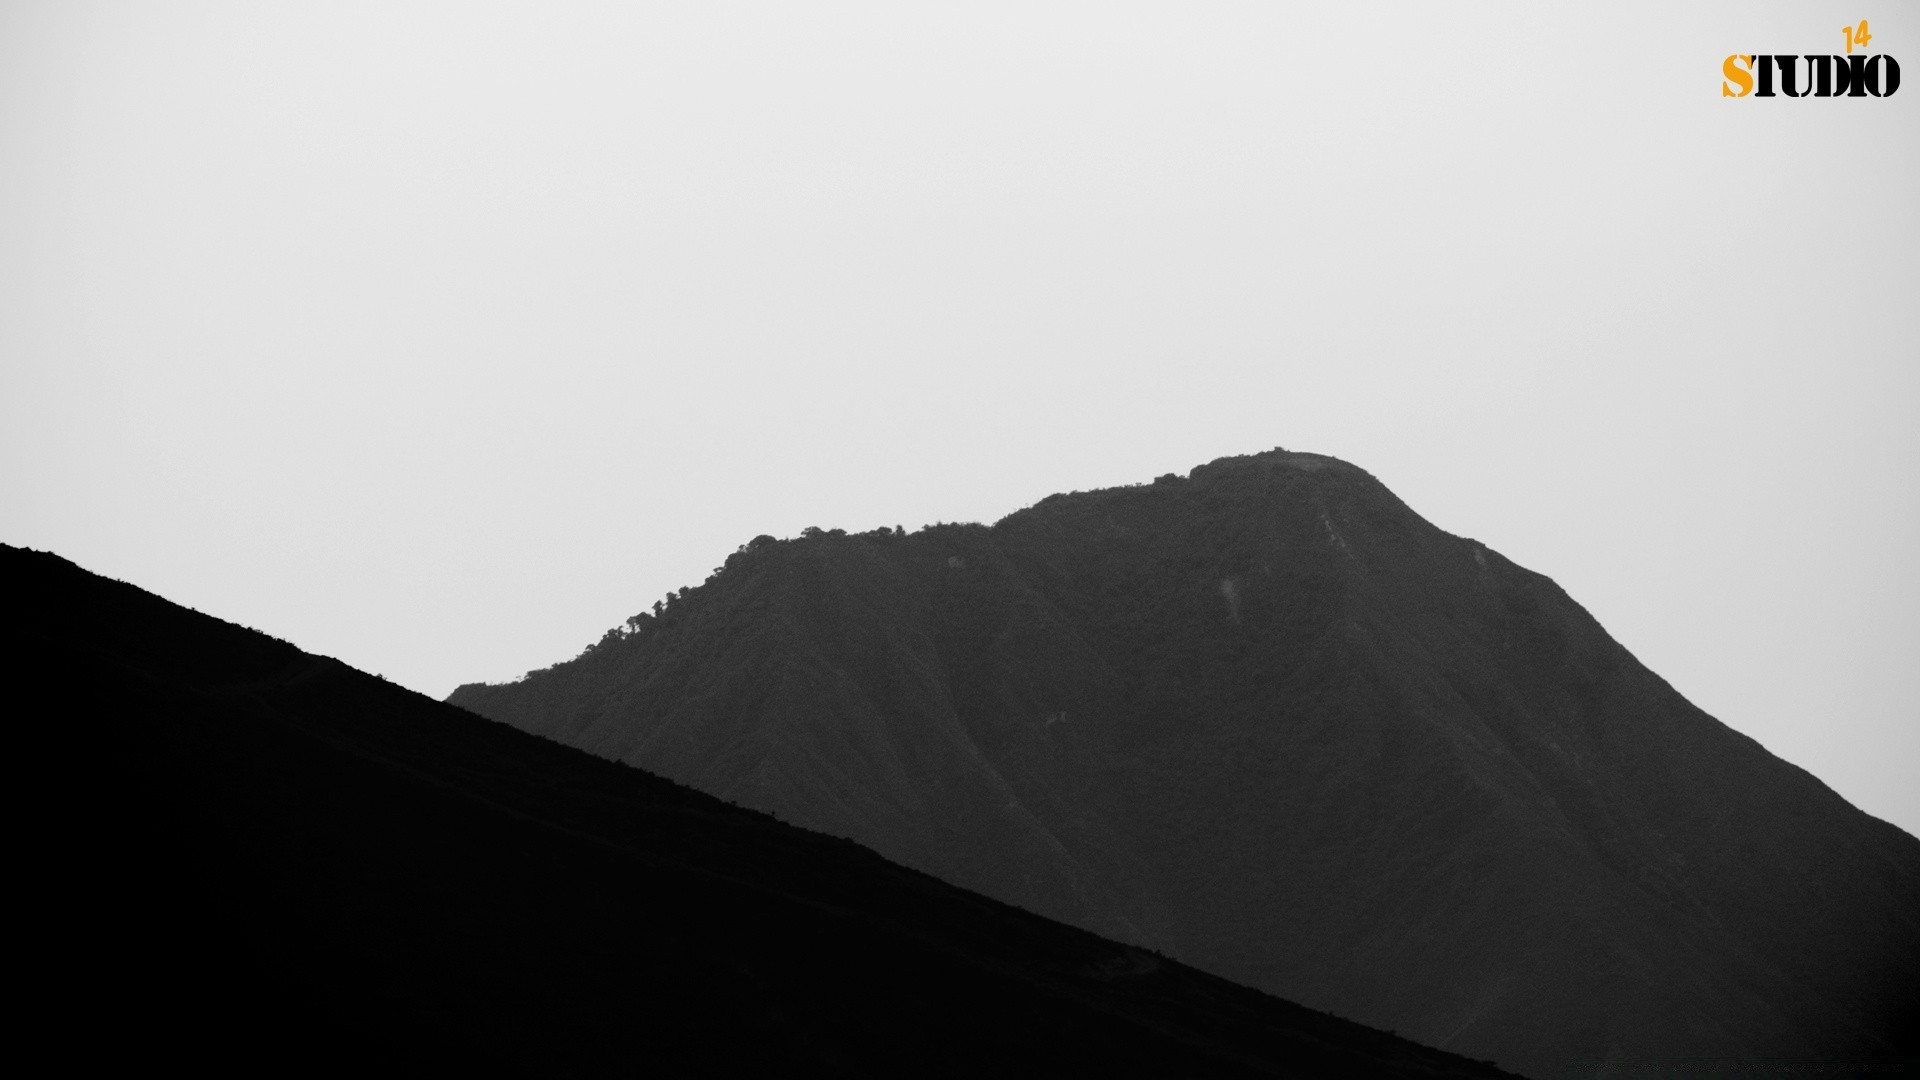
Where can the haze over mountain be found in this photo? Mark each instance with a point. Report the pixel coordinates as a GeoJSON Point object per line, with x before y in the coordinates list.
{"type": "Point", "coordinates": [1267, 719]}
{"type": "Point", "coordinates": [264, 862]}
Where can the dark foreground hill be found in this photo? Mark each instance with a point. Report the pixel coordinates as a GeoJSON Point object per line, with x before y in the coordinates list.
{"type": "Point", "coordinates": [242, 858]}
{"type": "Point", "coordinates": [1268, 720]}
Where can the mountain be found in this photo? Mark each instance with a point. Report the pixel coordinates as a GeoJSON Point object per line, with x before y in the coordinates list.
{"type": "Point", "coordinates": [245, 859]}
{"type": "Point", "coordinates": [1268, 720]}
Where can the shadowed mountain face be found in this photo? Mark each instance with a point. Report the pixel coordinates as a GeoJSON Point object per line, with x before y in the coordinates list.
{"type": "Point", "coordinates": [1269, 720]}
{"type": "Point", "coordinates": [247, 860]}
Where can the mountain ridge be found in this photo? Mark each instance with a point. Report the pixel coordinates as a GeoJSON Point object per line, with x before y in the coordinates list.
{"type": "Point", "coordinates": [269, 861]}
{"type": "Point", "coordinates": [1267, 718]}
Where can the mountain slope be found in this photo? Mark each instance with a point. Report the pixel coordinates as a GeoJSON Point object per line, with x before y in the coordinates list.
{"type": "Point", "coordinates": [1269, 720]}
{"type": "Point", "coordinates": [253, 860]}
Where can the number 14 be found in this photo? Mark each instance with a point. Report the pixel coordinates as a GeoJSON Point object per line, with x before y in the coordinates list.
{"type": "Point", "coordinates": [1856, 36]}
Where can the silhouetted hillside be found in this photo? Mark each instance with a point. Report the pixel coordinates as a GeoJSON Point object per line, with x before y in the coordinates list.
{"type": "Point", "coordinates": [1268, 720]}
{"type": "Point", "coordinates": [246, 859]}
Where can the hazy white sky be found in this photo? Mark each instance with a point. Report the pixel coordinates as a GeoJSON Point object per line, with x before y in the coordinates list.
{"type": "Point", "coordinates": [442, 337]}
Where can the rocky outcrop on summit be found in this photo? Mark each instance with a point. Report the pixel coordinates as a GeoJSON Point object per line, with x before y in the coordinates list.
{"type": "Point", "coordinates": [1267, 719]}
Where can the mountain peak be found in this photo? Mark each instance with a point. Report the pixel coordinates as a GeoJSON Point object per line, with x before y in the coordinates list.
{"type": "Point", "coordinates": [1267, 719]}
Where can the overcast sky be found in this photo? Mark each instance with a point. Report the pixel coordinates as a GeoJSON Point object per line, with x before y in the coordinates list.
{"type": "Point", "coordinates": [442, 337]}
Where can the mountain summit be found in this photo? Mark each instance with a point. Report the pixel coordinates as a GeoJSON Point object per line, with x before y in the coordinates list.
{"type": "Point", "coordinates": [1267, 719]}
